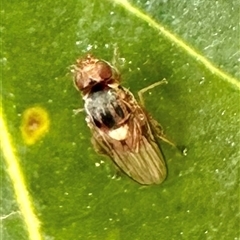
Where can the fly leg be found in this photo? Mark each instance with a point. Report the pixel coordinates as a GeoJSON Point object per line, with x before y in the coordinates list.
{"type": "Point", "coordinates": [158, 131]}
{"type": "Point", "coordinates": [115, 58]}
{"type": "Point", "coordinates": [157, 128]}
{"type": "Point", "coordinates": [77, 111]}
{"type": "Point", "coordinates": [117, 61]}
{"type": "Point", "coordinates": [146, 89]}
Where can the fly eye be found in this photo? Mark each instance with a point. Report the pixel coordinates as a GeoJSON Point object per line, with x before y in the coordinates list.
{"type": "Point", "coordinates": [104, 70]}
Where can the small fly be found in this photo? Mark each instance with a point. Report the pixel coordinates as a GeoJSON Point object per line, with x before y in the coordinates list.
{"type": "Point", "coordinates": [120, 127]}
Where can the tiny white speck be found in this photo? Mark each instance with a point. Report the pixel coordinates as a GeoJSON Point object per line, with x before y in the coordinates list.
{"type": "Point", "coordinates": [60, 206]}
{"type": "Point", "coordinates": [202, 80]}
{"type": "Point", "coordinates": [223, 112]}
{"type": "Point", "coordinates": [66, 193]}
{"type": "Point", "coordinates": [185, 151]}
{"type": "Point", "coordinates": [89, 47]}
{"type": "Point", "coordinates": [90, 194]}
{"type": "Point", "coordinates": [88, 207]}
{"type": "Point", "coordinates": [97, 164]}
{"type": "Point", "coordinates": [110, 219]}
{"type": "Point", "coordinates": [123, 60]}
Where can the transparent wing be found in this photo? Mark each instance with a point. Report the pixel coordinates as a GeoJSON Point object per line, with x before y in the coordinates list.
{"type": "Point", "coordinates": [139, 156]}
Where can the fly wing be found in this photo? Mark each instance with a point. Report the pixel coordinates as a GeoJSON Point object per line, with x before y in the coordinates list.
{"type": "Point", "coordinates": [139, 156]}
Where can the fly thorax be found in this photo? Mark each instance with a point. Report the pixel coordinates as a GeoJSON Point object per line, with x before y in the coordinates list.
{"type": "Point", "coordinates": [107, 111]}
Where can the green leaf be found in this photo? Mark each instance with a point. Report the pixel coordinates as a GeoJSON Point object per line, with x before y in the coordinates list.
{"type": "Point", "coordinates": [57, 179]}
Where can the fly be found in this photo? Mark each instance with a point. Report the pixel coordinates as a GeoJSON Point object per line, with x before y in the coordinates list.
{"type": "Point", "coordinates": [120, 126]}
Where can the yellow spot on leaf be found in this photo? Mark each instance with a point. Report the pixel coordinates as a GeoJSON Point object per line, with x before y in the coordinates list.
{"type": "Point", "coordinates": [35, 124]}
{"type": "Point", "coordinates": [14, 170]}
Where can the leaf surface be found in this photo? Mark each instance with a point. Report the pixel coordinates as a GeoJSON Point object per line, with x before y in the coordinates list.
{"type": "Point", "coordinates": [195, 46]}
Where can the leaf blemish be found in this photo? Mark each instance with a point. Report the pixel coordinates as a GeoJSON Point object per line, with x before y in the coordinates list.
{"type": "Point", "coordinates": [35, 124]}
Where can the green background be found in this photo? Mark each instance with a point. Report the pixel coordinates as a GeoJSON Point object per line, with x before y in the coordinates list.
{"type": "Point", "coordinates": [75, 199]}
